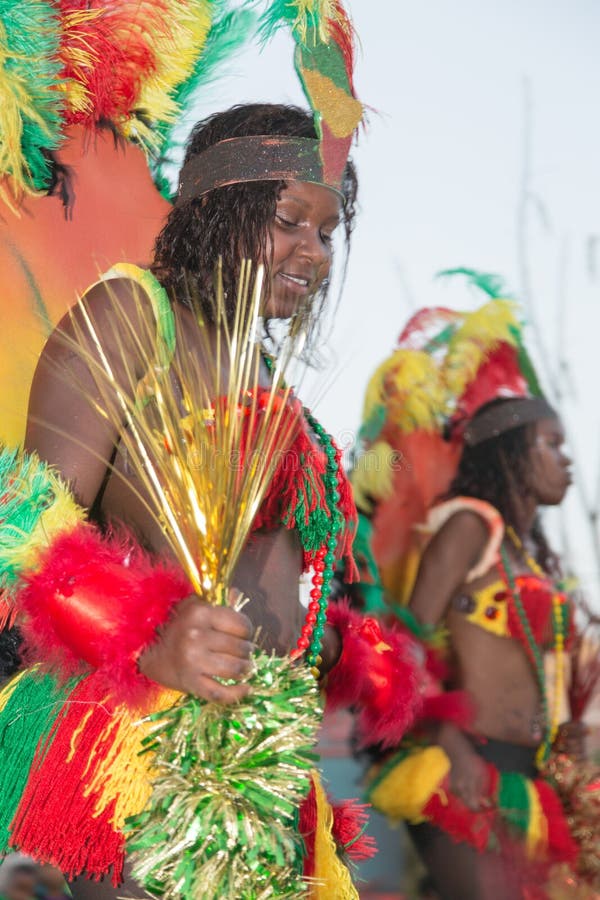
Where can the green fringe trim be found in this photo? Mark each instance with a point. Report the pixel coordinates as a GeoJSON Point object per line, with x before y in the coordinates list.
{"type": "Point", "coordinates": [34, 702]}
{"type": "Point", "coordinates": [371, 590]}
{"type": "Point", "coordinates": [513, 800]}
{"type": "Point", "coordinates": [313, 526]}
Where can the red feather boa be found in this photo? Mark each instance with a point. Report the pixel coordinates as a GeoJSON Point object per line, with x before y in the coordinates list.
{"type": "Point", "coordinates": [378, 672]}
{"type": "Point", "coordinates": [98, 601]}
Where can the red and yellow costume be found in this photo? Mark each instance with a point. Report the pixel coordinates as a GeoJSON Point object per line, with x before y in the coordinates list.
{"type": "Point", "coordinates": [419, 407]}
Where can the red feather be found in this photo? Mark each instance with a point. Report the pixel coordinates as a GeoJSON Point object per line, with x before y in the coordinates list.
{"type": "Point", "coordinates": [98, 602]}
{"type": "Point", "coordinates": [499, 376]}
{"type": "Point", "coordinates": [119, 41]}
{"type": "Point", "coordinates": [378, 673]}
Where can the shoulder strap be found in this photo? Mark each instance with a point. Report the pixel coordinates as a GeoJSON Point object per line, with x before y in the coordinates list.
{"type": "Point", "coordinates": [161, 307]}
{"type": "Point", "coordinates": [439, 515]}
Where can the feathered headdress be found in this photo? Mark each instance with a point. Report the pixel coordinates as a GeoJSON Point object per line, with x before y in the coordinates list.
{"type": "Point", "coordinates": [135, 64]}
{"type": "Point", "coordinates": [420, 408]}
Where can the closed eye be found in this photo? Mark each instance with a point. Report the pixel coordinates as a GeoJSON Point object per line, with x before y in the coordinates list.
{"type": "Point", "coordinates": [287, 223]}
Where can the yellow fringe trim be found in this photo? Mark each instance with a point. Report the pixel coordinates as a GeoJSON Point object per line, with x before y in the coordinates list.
{"type": "Point", "coordinates": [123, 775]}
{"type": "Point", "coordinates": [536, 838]}
{"type": "Point", "coordinates": [332, 878]}
{"type": "Point", "coordinates": [8, 689]}
{"type": "Point", "coordinates": [406, 789]}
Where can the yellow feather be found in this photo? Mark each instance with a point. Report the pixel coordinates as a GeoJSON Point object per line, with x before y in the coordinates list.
{"type": "Point", "coordinates": [322, 11]}
{"type": "Point", "coordinates": [404, 791]}
{"type": "Point", "coordinates": [479, 335]}
{"type": "Point", "coordinates": [373, 474]}
{"type": "Point", "coordinates": [410, 387]}
{"type": "Point", "coordinates": [177, 49]}
{"type": "Point", "coordinates": [78, 58]}
{"type": "Point", "coordinates": [15, 102]}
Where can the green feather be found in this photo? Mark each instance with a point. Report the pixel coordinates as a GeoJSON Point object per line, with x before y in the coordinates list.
{"type": "Point", "coordinates": [25, 492]}
{"type": "Point", "coordinates": [227, 34]}
{"type": "Point", "coordinates": [490, 284]}
{"type": "Point", "coordinates": [29, 48]}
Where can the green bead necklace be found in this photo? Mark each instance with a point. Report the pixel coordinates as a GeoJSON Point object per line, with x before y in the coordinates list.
{"type": "Point", "coordinates": [311, 636]}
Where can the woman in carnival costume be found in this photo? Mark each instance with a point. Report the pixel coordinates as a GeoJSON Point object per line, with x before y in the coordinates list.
{"type": "Point", "coordinates": [112, 628]}
{"type": "Point", "coordinates": [453, 525]}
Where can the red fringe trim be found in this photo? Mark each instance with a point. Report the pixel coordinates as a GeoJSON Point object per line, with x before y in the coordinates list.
{"type": "Point", "coordinates": [99, 601]}
{"type": "Point", "coordinates": [446, 811]}
{"type": "Point", "coordinates": [56, 820]}
{"type": "Point", "coordinates": [378, 673]}
{"type": "Point", "coordinates": [307, 826]}
{"type": "Point", "coordinates": [349, 821]}
{"type": "Point", "coordinates": [561, 846]}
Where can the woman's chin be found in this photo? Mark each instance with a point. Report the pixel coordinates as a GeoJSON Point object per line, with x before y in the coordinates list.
{"type": "Point", "coordinates": [278, 307]}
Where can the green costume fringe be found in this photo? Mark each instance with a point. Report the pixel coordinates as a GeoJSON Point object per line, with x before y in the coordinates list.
{"type": "Point", "coordinates": [33, 704]}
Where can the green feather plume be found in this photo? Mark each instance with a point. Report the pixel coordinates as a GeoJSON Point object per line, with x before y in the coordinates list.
{"type": "Point", "coordinates": [30, 106]}
{"type": "Point", "coordinates": [490, 284]}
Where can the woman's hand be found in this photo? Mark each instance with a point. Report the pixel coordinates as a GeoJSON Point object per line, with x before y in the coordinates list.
{"type": "Point", "coordinates": [571, 740]}
{"type": "Point", "coordinates": [200, 643]}
{"type": "Point", "coordinates": [331, 649]}
{"type": "Point", "coordinates": [469, 778]}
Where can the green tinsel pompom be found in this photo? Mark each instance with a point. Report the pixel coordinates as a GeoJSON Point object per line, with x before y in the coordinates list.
{"type": "Point", "coordinates": [229, 781]}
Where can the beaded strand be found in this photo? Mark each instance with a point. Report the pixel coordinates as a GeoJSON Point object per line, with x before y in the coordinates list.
{"type": "Point", "coordinates": [533, 648]}
{"type": "Point", "coordinates": [311, 637]}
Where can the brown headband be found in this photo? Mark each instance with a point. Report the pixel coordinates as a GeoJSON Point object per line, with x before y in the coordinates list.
{"type": "Point", "coordinates": [505, 416]}
{"type": "Point", "coordinates": [258, 157]}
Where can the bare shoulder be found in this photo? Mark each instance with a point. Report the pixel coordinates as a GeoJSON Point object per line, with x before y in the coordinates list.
{"type": "Point", "coordinates": [114, 314]}
{"type": "Point", "coordinates": [67, 421]}
{"type": "Point", "coordinates": [444, 566]}
{"type": "Point", "coordinates": [463, 528]}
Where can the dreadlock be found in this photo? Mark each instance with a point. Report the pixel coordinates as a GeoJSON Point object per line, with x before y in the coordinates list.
{"type": "Point", "coordinates": [499, 470]}
{"type": "Point", "coordinates": [234, 222]}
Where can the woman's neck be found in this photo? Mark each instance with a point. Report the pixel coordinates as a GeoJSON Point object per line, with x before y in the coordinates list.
{"type": "Point", "coordinates": [526, 511]}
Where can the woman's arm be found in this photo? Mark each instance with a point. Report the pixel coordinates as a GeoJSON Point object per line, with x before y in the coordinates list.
{"type": "Point", "coordinates": [448, 558]}
{"type": "Point", "coordinates": [66, 428]}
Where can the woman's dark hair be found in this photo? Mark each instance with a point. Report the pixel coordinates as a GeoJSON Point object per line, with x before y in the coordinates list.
{"type": "Point", "coordinates": [499, 470]}
{"type": "Point", "coordinates": [233, 222]}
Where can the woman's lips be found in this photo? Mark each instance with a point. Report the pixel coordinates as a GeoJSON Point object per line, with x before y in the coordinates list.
{"type": "Point", "coordinates": [295, 284]}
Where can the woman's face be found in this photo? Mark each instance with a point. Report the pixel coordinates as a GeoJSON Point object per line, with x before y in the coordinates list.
{"type": "Point", "coordinates": [550, 466]}
{"type": "Point", "coordinates": [301, 244]}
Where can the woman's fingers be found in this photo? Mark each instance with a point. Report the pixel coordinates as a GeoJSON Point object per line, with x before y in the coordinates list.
{"type": "Point", "coordinates": [206, 687]}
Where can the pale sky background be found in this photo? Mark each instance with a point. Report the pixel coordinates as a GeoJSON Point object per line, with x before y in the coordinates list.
{"type": "Point", "coordinates": [441, 169]}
